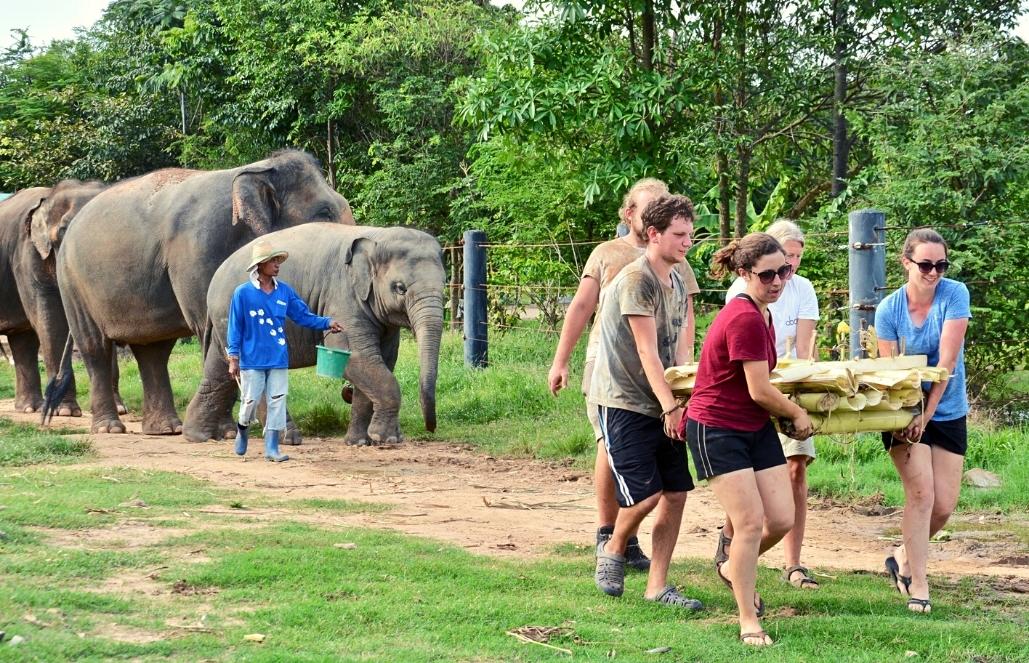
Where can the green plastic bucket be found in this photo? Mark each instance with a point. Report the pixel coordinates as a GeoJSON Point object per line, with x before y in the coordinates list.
{"type": "Point", "coordinates": [331, 362]}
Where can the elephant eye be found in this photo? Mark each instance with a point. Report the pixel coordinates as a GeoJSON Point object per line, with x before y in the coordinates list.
{"type": "Point", "coordinates": [399, 288]}
{"type": "Point", "coordinates": [324, 213]}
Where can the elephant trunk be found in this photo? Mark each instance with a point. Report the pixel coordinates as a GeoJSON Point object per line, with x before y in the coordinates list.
{"type": "Point", "coordinates": [427, 324]}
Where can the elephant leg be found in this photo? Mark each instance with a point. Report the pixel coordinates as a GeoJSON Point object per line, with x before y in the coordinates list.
{"type": "Point", "coordinates": [159, 416]}
{"type": "Point", "coordinates": [209, 415]}
{"type": "Point", "coordinates": [385, 424]}
{"type": "Point", "coordinates": [292, 435]}
{"type": "Point", "coordinates": [119, 403]}
{"type": "Point", "coordinates": [96, 354]}
{"type": "Point", "coordinates": [28, 396]}
{"type": "Point", "coordinates": [360, 417]}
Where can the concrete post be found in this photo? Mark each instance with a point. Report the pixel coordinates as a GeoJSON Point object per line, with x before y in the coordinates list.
{"type": "Point", "coordinates": [476, 347]}
{"type": "Point", "coordinates": [867, 251]}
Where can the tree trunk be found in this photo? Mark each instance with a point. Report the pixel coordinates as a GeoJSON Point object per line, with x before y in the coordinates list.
{"type": "Point", "coordinates": [740, 99]}
{"type": "Point", "coordinates": [182, 109]}
{"type": "Point", "coordinates": [840, 144]}
{"type": "Point", "coordinates": [329, 130]}
{"type": "Point", "coordinates": [649, 35]}
{"type": "Point", "coordinates": [721, 158]}
{"type": "Point", "coordinates": [743, 155]}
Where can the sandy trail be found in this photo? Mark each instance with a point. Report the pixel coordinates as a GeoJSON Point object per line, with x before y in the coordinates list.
{"type": "Point", "coordinates": [524, 508]}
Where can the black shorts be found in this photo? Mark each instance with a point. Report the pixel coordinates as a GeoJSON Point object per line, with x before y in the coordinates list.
{"type": "Point", "coordinates": [643, 460]}
{"type": "Point", "coordinates": [718, 451]}
{"type": "Point", "coordinates": [950, 435]}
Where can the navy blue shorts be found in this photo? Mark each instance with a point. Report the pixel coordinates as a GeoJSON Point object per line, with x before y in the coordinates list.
{"type": "Point", "coordinates": [643, 460]}
{"type": "Point", "coordinates": [949, 435]}
{"type": "Point", "coordinates": [718, 451]}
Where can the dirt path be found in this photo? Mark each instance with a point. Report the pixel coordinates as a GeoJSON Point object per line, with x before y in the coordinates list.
{"type": "Point", "coordinates": [510, 507]}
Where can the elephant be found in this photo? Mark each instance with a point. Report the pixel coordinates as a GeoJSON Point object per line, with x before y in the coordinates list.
{"type": "Point", "coordinates": [136, 264]}
{"type": "Point", "coordinates": [374, 281]}
{"type": "Point", "coordinates": [32, 225]}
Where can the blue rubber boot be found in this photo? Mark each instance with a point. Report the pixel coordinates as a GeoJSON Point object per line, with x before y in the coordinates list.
{"type": "Point", "coordinates": [242, 437]}
{"type": "Point", "coordinates": [271, 446]}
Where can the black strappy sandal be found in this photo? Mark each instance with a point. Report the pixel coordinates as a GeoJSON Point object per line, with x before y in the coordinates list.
{"type": "Point", "coordinates": [893, 568]}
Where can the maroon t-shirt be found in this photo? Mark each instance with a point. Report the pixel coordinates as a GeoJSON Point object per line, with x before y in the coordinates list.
{"type": "Point", "coordinates": [720, 395]}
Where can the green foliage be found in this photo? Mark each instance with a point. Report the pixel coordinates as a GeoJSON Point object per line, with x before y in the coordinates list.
{"type": "Point", "coordinates": [950, 152]}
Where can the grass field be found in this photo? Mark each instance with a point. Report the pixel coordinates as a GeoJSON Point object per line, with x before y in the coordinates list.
{"type": "Point", "coordinates": [118, 563]}
{"type": "Point", "coordinates": [102, 564]}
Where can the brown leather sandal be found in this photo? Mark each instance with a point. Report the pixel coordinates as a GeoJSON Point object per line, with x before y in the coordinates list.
{"type": "Point", "coordinates": [805, 581]}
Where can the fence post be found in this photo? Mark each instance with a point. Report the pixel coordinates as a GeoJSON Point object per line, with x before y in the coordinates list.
{"type": "Point", "coordinates": [476, 348]}
{"type": "Point", "coordinates": [867, 252]}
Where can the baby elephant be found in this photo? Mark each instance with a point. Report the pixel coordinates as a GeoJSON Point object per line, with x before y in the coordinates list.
{"type": "Point", "coordinates": [372, 280]}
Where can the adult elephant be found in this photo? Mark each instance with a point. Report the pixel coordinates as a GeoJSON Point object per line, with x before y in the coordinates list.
{"type": "Point", "coordinates": [136, 264]}
{"type": "Point", "coordinates": [32, 225]}
{"type": "Point", "coordinates": [374, 281]}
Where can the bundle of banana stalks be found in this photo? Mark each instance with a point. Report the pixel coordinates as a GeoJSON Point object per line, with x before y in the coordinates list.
{"type": "Point", "coordinates": [860, 395]}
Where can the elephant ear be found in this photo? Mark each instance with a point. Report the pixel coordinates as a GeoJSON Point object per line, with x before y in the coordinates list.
{"type": "Point", "coordinates": [254, 200]}
{"type": "Point", "coordinates": [359, 257]}
{"type": "Point", "coordinates": [37, 230]}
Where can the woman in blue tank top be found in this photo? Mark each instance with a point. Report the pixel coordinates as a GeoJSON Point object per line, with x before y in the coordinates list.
{"type": "Point", "coordinates": [930, 315]}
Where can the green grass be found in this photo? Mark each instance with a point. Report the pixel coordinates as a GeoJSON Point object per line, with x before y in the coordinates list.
{"type": "Point", "coordinates": [28, 445]}
{"type": "Point", "coordinates": [398, 598]}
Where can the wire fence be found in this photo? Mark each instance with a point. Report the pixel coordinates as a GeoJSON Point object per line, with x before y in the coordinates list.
{"type": "Point", "coordinates": [539, 307]}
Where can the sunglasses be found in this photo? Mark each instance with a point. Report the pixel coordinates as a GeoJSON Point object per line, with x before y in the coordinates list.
{"type": "Point", "coordinates": [769, 275]}
{"type": "Point", "coordinates": [926, 266]}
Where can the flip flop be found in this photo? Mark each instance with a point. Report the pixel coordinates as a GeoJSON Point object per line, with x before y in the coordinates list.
{"type": "Point", "coordinates": [921, 606]}
{"type": "Point", "coordinates": [757, 634]}
{"type": "Point", "coordinates": [759, 604]}
{"type": "Point", "coordinates": [893, 568]}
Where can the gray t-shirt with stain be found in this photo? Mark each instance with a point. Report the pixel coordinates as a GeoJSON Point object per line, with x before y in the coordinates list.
{"type": "Point", "coordinates": [618, 377]}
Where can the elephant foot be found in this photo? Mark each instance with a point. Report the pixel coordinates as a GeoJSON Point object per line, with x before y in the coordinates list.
{"type": "Point", "coordinates": [388, 433]}
{"type": "Point", "coordinates": [28, 406]}
{"type": "Point", "coordinates": [292, 436]}
{"type": "Point", "coordinates": [121, 407]}
{"type": "Point", "coordinates": [107, 426]}
{"type": "Point", "coordinates": [162, 426]}
{"type": "Point", "coordinates": [356, 440]}
{"type": "Point", "coordinates": [70, 410]}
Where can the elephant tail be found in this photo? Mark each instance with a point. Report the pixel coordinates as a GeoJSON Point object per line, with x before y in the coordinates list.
{"type": "Point", "coordinates": [57, 387]}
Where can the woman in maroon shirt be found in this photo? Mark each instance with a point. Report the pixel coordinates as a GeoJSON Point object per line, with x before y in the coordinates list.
{"type": "Point", "coordinates": [730, 433]}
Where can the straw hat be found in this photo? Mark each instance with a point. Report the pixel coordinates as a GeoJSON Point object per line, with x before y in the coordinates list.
{"type": "Point", "coordinates": [264, 251]}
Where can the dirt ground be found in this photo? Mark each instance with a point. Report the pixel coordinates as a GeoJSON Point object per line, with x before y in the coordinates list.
{"type": "Point", "coordinates": [524, 508]}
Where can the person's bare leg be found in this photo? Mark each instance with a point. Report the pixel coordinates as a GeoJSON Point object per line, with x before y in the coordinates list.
{"type": "Point", "coordinates": [914, 464]}
{"type": "Point", "coordinates": [604, 485]}
{"type": "Point", "coordinates": [794, 539]}
{"type": "Point", "coordinates": [628, 521]}
{"type": "Point", "coordinates": [947, 467]}
{"type": "Point", "coordinates": [667, 520]}
{"type": "Point", "coordinates": [737, 493]}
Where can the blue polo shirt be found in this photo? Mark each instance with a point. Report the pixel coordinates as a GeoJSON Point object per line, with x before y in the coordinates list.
{"type": "Point", "coordinates": [257, 323]}
{"type": "Point", "coordinates": [950, 302]}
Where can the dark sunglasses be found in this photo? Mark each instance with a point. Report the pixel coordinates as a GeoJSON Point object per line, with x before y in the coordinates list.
{"type": "Point", "coordinates": [769, 275]}
{"type": "Point", "coordinates": [926, 266]}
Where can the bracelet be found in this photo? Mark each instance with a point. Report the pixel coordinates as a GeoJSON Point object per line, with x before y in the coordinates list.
{"type": "Point", "coordinates": [670, 410]}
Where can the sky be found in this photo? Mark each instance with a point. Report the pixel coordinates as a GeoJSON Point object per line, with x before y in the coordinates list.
{"type": "Point", "coordinates": [47, 20]}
